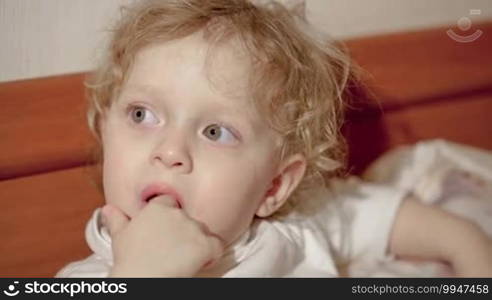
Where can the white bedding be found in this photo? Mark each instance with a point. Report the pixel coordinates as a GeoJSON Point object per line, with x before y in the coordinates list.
{"type": "Point", "coordinates": [455, 177]}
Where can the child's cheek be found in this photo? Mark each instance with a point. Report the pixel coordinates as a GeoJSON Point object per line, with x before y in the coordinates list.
{"type": "Point", "coordinates": [118, 186]}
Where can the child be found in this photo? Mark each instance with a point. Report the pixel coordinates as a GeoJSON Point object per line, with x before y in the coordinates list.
{"type": "Point", "coordinates": [219, 123]}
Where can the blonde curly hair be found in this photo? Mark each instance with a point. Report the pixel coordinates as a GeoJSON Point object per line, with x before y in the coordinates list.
{"type": "Point", "coordinates": [298, 79]}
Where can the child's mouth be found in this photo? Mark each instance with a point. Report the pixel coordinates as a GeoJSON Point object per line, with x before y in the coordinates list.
{"type": "Point", "coordinates": [156, 190]}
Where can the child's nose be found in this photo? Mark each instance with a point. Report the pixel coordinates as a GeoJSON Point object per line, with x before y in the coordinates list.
{"type": "Point", "coordinates": [172, 152]}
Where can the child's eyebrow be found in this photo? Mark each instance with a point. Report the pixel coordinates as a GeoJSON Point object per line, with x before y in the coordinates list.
{"type": "Point", "coordinates": [155, 93]}
{"type": "Point", "coordinates": [140, 89]}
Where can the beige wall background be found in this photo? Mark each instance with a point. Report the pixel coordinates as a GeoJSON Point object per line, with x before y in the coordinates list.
{"type": "Point", "coordinates": [49, 37]}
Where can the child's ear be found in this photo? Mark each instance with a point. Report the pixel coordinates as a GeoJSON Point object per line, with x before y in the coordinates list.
{"type": "Point", "coordinates": [290, 174]}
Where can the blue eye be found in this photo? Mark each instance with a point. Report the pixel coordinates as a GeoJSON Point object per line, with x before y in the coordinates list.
{"type": "Point", "coordinates": [140, 114]}
{"type": "Point", "coordinates": [219, 134]}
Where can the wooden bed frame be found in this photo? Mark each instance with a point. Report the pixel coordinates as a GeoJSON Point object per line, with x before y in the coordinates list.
{"type": "Point", "coordinates": [426, 85]}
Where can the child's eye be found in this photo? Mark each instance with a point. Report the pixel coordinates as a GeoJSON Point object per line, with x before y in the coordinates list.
{"type": "Point", "coordinates": [140, 114]}
{"type": "Point", "coordinates": [219, 133]}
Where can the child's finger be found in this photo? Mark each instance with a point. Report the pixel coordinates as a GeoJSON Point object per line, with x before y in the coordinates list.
{"type": "Point", "coordinates": [217, 249]}
{"type": "Point", "coordinates": [166, 200]}
{"type": "Point", "coordinates": [115, 219]}
{"type": "Point", "coordinates": [217, 246]}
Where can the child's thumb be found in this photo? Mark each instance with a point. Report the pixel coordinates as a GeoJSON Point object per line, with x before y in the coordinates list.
{"type": "Point", "coordinates": [114, 219]}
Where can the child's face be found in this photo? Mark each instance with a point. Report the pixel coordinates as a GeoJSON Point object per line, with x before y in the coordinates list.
{"type": "Point", "coordinates": [171, 126]}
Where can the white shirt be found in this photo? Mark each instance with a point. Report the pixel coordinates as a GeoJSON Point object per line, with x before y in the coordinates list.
{"type": "Point", "coordinates": [351, 221]}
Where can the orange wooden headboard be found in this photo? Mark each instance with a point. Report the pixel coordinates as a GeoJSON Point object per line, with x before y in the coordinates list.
{"type": "Point", "coordinates": [426, 86]}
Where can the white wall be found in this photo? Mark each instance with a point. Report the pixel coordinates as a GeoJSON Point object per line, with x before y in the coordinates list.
{"type": "Point", "coordinates": [49, 37]}
{"type": "Point", "coordinates": [352, 18]}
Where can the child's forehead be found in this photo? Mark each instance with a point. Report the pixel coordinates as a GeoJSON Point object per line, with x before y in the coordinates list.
{"type": "Point", "coordinates": [225, 68]}
{"type": "Point", "coordinates": [219, 76]}
{"type": "Point", "coordinates": [225, 53]}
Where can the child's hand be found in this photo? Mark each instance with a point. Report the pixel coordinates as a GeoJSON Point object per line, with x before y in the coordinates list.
{"type": "Point", "coordinates": [161, 241]}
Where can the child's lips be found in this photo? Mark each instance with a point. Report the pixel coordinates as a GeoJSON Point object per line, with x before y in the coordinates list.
{"type": "Point", "coordinates": [154, 190]}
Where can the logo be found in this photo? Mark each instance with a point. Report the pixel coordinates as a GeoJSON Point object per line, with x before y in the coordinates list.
{"type": "Point", "coordinates": [464, 24]}
{"type": "Point", "coordinates": [11, 290]}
